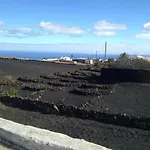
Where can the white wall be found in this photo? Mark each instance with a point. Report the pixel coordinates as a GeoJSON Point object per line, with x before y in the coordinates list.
{"type": "Point", "coordinates": [32, 138]}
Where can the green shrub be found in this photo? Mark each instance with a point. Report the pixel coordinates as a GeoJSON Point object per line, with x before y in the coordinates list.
{"type": "Point", "coordinates": [10, 92]}
{"type": "Point", "coordinates": [135, 63]}
{"type": "Point", "coordinates": [36, 95]}
{"type": "Point", "coordinates": [8, 80]}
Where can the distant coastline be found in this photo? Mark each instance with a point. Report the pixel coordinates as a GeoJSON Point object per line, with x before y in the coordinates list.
{"type": "Point", "coordinates": [51, 55]}
{"type": "Point", "coordinates": [41, 55]}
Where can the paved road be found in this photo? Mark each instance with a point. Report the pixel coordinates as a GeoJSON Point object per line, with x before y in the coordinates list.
{"type": "Point", "coordinates": [4, 148]}
{"type": "Point", "coordinates": [4, 145]}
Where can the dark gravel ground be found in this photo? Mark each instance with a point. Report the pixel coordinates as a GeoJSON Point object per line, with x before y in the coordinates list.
{"type": "Point", "coordinates": [65, 97]}
{"type": "Point", "coordinates": [115, 137]}
{"type": "Point", "coordinates": [129, 98]}
{"type": "Point", "coordinates": [33, 68]}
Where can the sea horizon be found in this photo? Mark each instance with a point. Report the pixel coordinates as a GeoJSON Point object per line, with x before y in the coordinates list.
{"type": "Point", "coordinates": [38, 55]}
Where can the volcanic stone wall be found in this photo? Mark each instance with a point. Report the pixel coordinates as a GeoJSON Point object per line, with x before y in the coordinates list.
{"type": "Point", "coordinates": [113, 75]}
{"type": "Point", "coordinates": [77, 112]}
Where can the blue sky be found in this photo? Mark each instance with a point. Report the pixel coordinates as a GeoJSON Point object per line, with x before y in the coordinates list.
{"type": "Point", "coordinates": [80, 26]}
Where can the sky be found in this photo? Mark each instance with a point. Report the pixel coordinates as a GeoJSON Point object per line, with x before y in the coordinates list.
{"type": "Point", "coordinates": [75, 26]}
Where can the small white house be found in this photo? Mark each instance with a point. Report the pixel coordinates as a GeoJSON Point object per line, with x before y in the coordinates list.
{"type": "Point", "coordinates": [65, 58]}
{"type": "Point", "coordinates": [50, 60]}
{"type": "Point", "coordinates": [145, 58]}
{"type": "Point", "coordinates": [54, 59]}
{"type": "Point", "coordinates": [89, 61]}
{"type": "Point", "coordinates": [140, 57]}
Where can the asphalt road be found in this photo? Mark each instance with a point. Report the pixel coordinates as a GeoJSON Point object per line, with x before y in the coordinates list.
{"type": "Point", "coordinates": [4, 148]}
{"type": "Point", "coordinates": [5, 145]}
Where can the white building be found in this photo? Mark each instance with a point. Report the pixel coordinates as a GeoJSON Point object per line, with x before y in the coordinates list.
{"type": "Point", "coordinates": [65, 58]}
{"type": "Point", "coordinates": [50, 60]}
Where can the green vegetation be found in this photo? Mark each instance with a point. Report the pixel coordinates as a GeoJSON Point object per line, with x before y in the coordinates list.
{"type": "Point", "coordinates": [132, 63]}
{"type": "Point", "coordinates": [68, 74]}
{"type": "Point", "coordinates": [8, 80]}
{"type": "Point", "coordinates": [36, 95]}
{"type": "Point", "coordinates": [37, 87]}
{"type": "Point", "coordinates": [10, 92]}
{"type": "Point", "coordinates": [32, 79]}
{"type": "Point", "coordinates": [93, 89]}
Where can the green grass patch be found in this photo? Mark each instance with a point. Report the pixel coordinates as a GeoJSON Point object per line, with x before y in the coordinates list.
{"type": "Point", "coordinates": [10, 92]}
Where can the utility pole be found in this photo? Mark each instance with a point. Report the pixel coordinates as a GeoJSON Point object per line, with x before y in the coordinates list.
{"type": "Point", "coordinates": [105, 49]}
{"type": "Point", "coordinates": [96, 54]}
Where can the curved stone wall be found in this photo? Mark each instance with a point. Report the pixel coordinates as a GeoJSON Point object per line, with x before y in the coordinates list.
{"type": "Point", "coordinates": [78, 112]}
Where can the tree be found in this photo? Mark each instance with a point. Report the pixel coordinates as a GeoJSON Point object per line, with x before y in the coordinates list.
{"type": "Point", "coordinates": [123, 55]}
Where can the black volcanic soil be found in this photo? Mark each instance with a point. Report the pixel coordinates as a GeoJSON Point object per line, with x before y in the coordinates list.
{"type": "Point", "coordinates": [65, 97]}
{"type": "Point", "coordinates": [129, 98]}
{"type": "Point", "coordinates": [115, 137]}
{"type": "Point", "coordinates": [77, 86]}
{"type": "Point", "coordinates": [32, 68]}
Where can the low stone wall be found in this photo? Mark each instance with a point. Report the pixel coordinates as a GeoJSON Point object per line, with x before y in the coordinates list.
{"type": "Point", "coordinates": [78, 112]}
{"type": "Point", "coordinates": [79, 91]}
{"type": "Point", "coordinates": [114, 75]}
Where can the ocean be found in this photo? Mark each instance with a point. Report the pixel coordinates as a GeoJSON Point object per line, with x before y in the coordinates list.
{"type": "Point", "coordinates": [41, 55]}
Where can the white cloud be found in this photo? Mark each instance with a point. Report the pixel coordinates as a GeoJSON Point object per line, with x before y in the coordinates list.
{"type": "Point", "coordinates": [2, 23]}
{"type": "Point", "coordinates": [104, 28]}
{"type": "Point", "coordinates": [145, 36]}
{"type": "Point", "coordinates": [105, 33]}
{"type": "Point", "coordinates": [145, 33]}
{"type": "Point", "coordinates": [61, 29]}
{"type": "Point", "coordinates": [49, 27]}
{"type": "Point", "coordinates": [16, 36]}
{"type": "Point", "coordinates": [20, 32]}
{"type": "Point", "coordinates": [24, 30]}
{"type": "Point", "coordinates": [146, 26]}
{"type": "Point", "coordinates": [3, 31]}
{"type": "Point", "coordinates": [104, 25]}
